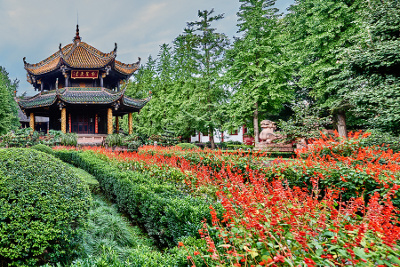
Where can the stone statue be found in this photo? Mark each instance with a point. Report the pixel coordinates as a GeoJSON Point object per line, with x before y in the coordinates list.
{"type": "Point", "coordinates": [267, 135]}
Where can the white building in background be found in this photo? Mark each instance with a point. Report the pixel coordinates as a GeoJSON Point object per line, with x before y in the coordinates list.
{"type": "Point", "coordinates": [237, 135]}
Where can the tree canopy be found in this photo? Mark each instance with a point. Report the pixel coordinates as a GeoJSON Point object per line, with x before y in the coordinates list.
{"type": "Point", "coordinates": [341, 57]}
{"type": "Point", "coordinates": [8, 107]}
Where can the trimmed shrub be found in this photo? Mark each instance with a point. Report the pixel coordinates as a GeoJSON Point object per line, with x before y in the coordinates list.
{"type": "Point", "coordinates": [42, 203]}
{"type": "Point", "coordinates": [241, 147]}
{"type": "Point", "coordinates": [43, 148]}
{"type": "Point", "coordinates": [87, 178]}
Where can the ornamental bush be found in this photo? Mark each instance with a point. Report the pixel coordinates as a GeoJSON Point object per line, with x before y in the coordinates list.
{"type": "Point", "coordinates": [20, 138]}
{"type": "Point", "coordinates": [69, 139]}
{"type": "Point", "coordinates": [43, 148]}
{"type": "Point", "coordinates": [42, 203]}
{"type": "Point", "coordinates": [114, 140]}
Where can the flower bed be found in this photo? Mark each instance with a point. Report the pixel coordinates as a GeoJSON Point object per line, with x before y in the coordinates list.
{"type": "Point", "coordinates": [211, 158]}
{"type": "Point", "coordinates": [334, 205]}
{"type": "Point", "coordinates": [347, 164]}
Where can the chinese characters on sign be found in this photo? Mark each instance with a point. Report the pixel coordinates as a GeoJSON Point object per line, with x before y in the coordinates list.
{"type": "Point", "coordinates": [84, 74]}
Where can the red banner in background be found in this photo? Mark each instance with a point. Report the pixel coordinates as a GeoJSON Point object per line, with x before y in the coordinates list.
{"type": "Point", "coordinates": [69, 122]}
{"type": "Point", "coordinates": [84, 74]}
{"type": "Point", "coordinates": [96, 124]}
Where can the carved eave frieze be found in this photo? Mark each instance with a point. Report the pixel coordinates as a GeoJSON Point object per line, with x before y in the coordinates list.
{"type": "Point", "coordinates": [64, 71]}
{"type": "Point", "coordinates": [116, 105]}
{"type": "Point", "coordinates": [61, 104]}
{"type": "Point", "coordinates": [107, 70]}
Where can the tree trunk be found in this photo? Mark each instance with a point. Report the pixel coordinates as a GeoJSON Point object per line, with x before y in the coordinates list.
{"type": "Point", "coordinates": [211, 135]}
{"type": "Point", "coordinates": [341, 119]}
{"type": "Point", "coordinates": [255, 122]}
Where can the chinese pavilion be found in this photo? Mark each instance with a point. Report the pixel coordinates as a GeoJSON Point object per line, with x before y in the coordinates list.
{"type": "Point", "coordinates": [80, 90]}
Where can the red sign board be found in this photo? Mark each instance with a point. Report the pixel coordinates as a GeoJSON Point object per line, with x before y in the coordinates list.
{"type": "Point", "coordinates": [84, 74]}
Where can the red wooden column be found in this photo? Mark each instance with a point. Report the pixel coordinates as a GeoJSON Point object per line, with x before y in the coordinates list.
{"type": "Point", "coordinates": [69, 123]}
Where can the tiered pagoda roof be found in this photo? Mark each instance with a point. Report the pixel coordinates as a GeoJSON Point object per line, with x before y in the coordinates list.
{"type": "Point", "coordinates": [82, 95]}
{"type": "Point", "coordinates": [80, 55]}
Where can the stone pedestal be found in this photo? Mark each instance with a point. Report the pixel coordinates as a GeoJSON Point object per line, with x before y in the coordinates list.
{"type": "Point", "coordinates": [274, 147]}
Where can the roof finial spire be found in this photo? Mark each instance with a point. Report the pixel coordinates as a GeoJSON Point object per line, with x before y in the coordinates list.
{"type": "Point", "coordinates": [77, 38]}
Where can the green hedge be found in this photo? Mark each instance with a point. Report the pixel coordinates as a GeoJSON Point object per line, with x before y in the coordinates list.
{"type": "Point", "coordinates": [42, 203]}
{"type": "Point", "coordinates": [167, 213]}
{"type": "Point", "coordinates": [43, 148]}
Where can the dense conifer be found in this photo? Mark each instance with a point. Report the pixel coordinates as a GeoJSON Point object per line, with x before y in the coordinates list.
{"type": "Point", "coordinates": [8, 107]}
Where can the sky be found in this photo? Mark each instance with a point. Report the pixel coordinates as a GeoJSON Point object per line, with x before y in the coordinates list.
{"type": "Point", "coordinates": [34, 29]}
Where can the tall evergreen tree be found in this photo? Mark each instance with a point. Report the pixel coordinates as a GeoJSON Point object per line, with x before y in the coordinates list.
{"type": "Point", "coordinates": [317, 31]}
{"type": "Point", "coordinates": [371, 67]}
{"type": "Point", "coordinates": [165, 83]}
{"type": "Point", "coordinates": [209, 95]}
{"type": "Point", "coordinates": [8, 107]}
{"type": "Point", "coordinates": [143, 82]}
{"type": "Point", "coordinates": [257, 71]}
{"type": "Point", "coordinates": [186, 72]}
